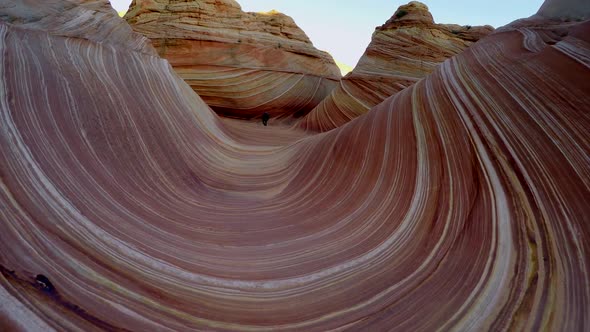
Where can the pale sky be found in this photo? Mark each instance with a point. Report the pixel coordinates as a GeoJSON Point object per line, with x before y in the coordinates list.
{"type": "Point", "coordinates": [344, 27]}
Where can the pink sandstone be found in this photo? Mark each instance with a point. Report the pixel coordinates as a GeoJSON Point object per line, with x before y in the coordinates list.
{"type": "Point", "coordinates": [242, 64]}
{"type": "Point", "coordinates": [459, 203]}
{"type": "Point", "coordinates": [405, 49]}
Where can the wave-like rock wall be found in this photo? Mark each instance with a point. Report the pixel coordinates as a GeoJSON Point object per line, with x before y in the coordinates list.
{"type": "Point", "coordinates": [402, 51]}
{"type": "Point", "coordinates": [93, 20]}
{"type": "Point", "coordinates": [460, 203]}
{"type": "Point", "coordinates": [242, 64]}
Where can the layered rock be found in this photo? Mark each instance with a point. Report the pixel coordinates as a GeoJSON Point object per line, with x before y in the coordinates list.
{"type": "Point", "coordinates": [241, 64]}
{"type": "Point", "coordinates": [93, 20]}
{"type": "Point", "coordinates": [402, 51]}
{"type": "Point", "coordinates": [460, 203]}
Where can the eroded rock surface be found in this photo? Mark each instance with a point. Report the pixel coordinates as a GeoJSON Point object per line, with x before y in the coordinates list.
{"type": "Point", "coordinates": [242, 64]}
{"type": "Point", "coordinates": [460, 203]}
{"type": "Point", "coordinates": [93, 20]}
{"type": "Point", "coordinates": [402, 51]}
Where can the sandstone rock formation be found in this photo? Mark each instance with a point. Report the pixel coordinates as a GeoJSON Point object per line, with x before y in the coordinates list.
{"type": "Point", "coordinates": [565, 9]}
{"type": "Point", "coordinates": [241, 64]}
{"type": "Point", "coordinates": [403, 50]}
{"type": "Point", "coordinates": [93, 20]}
{"type": "Point", "coordinates": [460, 203]}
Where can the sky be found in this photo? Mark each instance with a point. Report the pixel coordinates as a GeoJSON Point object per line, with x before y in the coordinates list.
{"type": "Point", "coordinates": [344, 27]}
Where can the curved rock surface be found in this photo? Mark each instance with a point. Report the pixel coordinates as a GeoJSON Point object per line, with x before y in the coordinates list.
{"type": "Point", "coordinates": [460, 203]}
{"type": "Point", "coordinates": [93, 20]}
{"type": "Point", "coordinates": [565, 9]}
{"type": "Point", "coordinates": [241, 64]}
{"type": "Point", "coordinates": [402, 51]}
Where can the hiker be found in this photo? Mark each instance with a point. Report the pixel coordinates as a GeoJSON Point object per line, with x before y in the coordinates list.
{"type": "Point", "coordinates": [265, 117]}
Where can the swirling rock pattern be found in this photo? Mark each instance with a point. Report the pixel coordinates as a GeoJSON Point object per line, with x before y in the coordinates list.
{"type": "Point", "coordinates": [241, 64]}
{"type": "Point", "coordinates": [460, 203]}
{"type": "Point", "coordinates": [402, 51]}
{"type": "Point", "coordinates": [77, 19]}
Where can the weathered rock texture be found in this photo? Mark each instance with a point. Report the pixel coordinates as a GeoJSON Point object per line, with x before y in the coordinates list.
{"type": "Point", "coordinates": [566, 9]}
{"type": "Point", "coordinates": [403, 50]}
{"type": "Point", "coordinates": [241, 64]}
{"type": "Point", "coordinates": [460, 203]}
{"type": "Point", "coordinates": [93, 20]}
